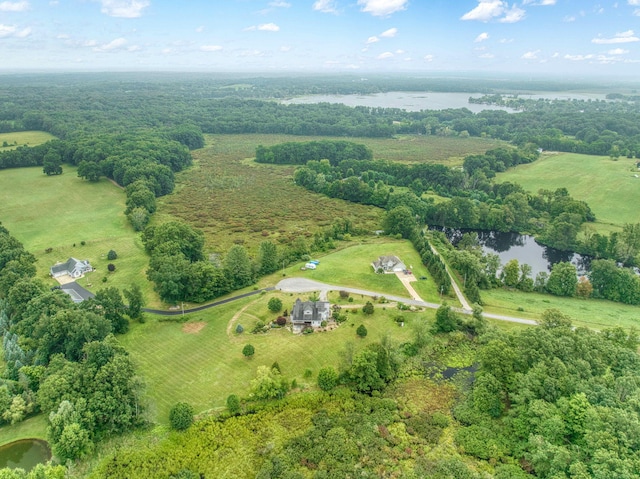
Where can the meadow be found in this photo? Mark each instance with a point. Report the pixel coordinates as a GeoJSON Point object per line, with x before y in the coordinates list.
{"type": "Point", "coordinates": [200, 361]}
{"type": "Point", "coordinates": [22, 138]}
{"type": "Point", "coordinates": [610, 188]}
{"type": "Point", "coordinates": [591, 313]}
{"type": "Point", "coordinates": [234, 200]}
{"type": "Point", "coordinates": [63, 212]}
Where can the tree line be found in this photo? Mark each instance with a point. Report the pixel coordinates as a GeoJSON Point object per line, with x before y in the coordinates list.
{"type": "Point", "coordinates": [62, 359]}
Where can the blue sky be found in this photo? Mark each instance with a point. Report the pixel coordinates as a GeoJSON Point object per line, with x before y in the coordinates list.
{"type": "Point", "coordinates": [564, 37]}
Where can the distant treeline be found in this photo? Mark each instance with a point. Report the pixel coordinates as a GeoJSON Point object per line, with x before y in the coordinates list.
{"type": "Point", "coordinates": [296, 153]}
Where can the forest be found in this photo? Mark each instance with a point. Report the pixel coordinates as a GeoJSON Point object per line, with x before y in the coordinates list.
{"type": "Point", "coordinates": [551, 401]}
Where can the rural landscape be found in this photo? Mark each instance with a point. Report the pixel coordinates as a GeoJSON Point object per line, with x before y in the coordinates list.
{"type": "Point", "coordinates": [197, 234]}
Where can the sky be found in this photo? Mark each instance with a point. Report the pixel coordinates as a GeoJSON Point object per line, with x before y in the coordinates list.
{"type": "Point", "coordinates": [563, 37]}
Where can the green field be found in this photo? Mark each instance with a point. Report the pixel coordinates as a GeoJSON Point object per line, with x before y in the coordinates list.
{"type": "Point", "coordinates": [60, 212]}
{"type": "Point", "coordinates": [22, 138]}
{"type": "Point", "coordinates": [591, 313]}
{"type": "Point", "coordinates": [610, 188]}
{"type": "Point", "coordinates": [204, 367]}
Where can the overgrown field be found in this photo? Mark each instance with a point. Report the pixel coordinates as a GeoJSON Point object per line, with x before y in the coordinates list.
{"type": "Point", "coordinates": [201, 362]}
{"type": "Point", "coordinates": [611, 188]}
{"type": "Point", "coordinates": [234, 200]}
{"type": "Point", "coordinates": [21, 138]}
{"type": "Point", "coordinates": [61, 212]}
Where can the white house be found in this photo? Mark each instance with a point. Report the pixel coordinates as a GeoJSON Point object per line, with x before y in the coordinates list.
{"type": "Point", "coordinates": [72, 267]}
{"type": "Point", "coordinates": [388, 264]}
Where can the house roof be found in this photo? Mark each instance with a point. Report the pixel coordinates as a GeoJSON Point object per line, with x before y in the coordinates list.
{"type": "Point", "coordinates": [77, 292]}
{"type": "Point", "coordinates": [68, 266]}
{"type": "Point", "coordinates": [388, 263]}
{"type": "Point", "coordinates": [313, 310]}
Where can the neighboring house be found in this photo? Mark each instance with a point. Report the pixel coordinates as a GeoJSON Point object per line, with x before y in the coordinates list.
{"type": "Point", "coordinates": [309, 314]}
{"type": "Point", "coordinates": [73, 267]}
{"type": "Point", "coordinates": [78, 293]}
{"type": "Point", "coordinates": [388, 264]}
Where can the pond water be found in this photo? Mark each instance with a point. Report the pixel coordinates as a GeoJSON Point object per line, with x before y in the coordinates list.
{"type": "Point", "coordinates": [416, 101]}
{"type": "Point", "coordinates": [25, 454]}
{"type": "Point", "coordinates": [524, 248]}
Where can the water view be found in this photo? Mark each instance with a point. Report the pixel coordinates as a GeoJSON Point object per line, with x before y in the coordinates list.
{"type": "Point", "coordinates": [416, 101]}
{"type": "Point", "coordinates": [25, 454]}
{"type": "Point", "coordinates": [523, 248]}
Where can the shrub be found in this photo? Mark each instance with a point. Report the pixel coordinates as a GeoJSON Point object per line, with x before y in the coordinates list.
{"type": "Point", "coordinates": [233, 404]}
{"type": "Point", "coordinates": [274, 305]}
{"type": "Point", "coordinates": [258, 328]}
{"type": "Point", "coordinates": [307, 373]}
{"type": "Point", "coordinates": [111, 267]}
{"type": "Point", "coordinates": [368, 308]}
{"type": "Point", "coordinates": [281, 321]}
{"type": "Point", "coordinates": [362, 331]}
{"type": "Point", "coordinates": [327, 378]}
{"type": "Point", "coordinates": [239, 329]}
{"type": "Point", "coordinates": [344, 294]}
{"type": "Point", "coordinates": [181, 416]}
{"type": "Point", "coordinates": [248, 351]}
{"type": "Point", "coordinates": [111, 255]}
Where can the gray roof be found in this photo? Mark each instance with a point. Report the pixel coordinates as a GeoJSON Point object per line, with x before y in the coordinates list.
{"type": "Point", "coordinates": [313, 310]}
{"type": "Point", "coordinates": [388, 263]}
{"type": "Point", "coordinates": [77, 292]}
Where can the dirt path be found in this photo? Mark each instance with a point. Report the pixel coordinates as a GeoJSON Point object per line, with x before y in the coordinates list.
{"type": "Point", "coordinates": [236, 316]}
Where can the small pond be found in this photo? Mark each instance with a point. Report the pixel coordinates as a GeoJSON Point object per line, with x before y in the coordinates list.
{"type": "Point", "coordinates": [524, 248]}
{"type": "Point", "coordinates": [25, 454]}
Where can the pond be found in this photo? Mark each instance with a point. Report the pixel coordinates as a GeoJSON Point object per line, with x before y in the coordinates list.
{"type": "Point", "coordinates": [524, 248]}
{"type": "Point", "coordinates": [25, 454]}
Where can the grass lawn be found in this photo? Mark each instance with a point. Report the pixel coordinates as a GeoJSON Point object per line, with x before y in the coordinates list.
{"type": "Point", "coordinates": [62, 211]}
{"type": "Point", "coordinates": [609, 187]}
{"type": "Point", "coordinates": [206, 365]}
{"type": "Point", "coordinates": [21, 138]}
{"type": "Point", "coordinates": [33, 428]}
{"type": "Point", "coordinates": [592, 313]}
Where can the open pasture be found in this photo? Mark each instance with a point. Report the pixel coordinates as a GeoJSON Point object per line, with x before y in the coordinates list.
{"type": "Point", "coordinates": [61, 212]}
{"type": "Point", "coordinates": [206, 367]}
{"type": "Point", "coordinates": [591, 313]}
{"type": "Point", "coordinates": [610, 188]}
{"type": "Point", "coordinates": [10, 141]}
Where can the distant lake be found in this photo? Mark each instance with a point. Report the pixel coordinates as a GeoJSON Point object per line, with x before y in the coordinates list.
{"type": "Point", "coordinates": [416, 101]}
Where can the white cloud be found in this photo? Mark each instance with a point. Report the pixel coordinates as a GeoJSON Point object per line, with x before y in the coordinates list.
{"type": "Point", "coordinates": [7, 31]}
{"type": "Point", "coordinates": [429, 58]}
{"type": "Point", "coordinates": [514, 15]}
{"type": "Point", "coordinates": [268, 27]}
{"type": "Point", "coordinates": [200, 29]}
{"type": "Point", "coordinates": [124, 8]}
{"type": "Point", "coordinates": [389, 33]}
{"type": "Point", "coordinates": [285, 48]}
{"type": "Point", "coordinates": [636, 12]}
{"type": "Point", "coordinates": [539, 2]}
{"type": "Point", "coordinates": [533, 55]}
{"type": "Point", "coordinates": [578, 58]}
{"type": "Point", "coordinates": [210, 48]}
{"type": "Point", "coordinates": [622, 37]}
{"type": "Point", "coordinates": [382, 8]}
{"type": "Point", "coordinates": [116, 44]}
{"type": "Point", "coordinates": [634, 2]}
{"type": "Point", "coordinates": [14, 6]}
{"type": "Point", "coordinates": [487, 55]}
{"type": "Point", "coordinates": [569, 19]}
{"type": "Point", "coordinates": [325, 6]}
{"type": "Point", "coordinates": [371, 40]}
{"type": "Point", "coordinates": [279, 4]}
{"type": "Point", "coordinates": [385, 55]}
{"type": "Point", "coordinates": [482, 37]}
{"type": "Point", "coordinates": [485, 11]}
{"type": "Point", "coordinates": [618, 51]}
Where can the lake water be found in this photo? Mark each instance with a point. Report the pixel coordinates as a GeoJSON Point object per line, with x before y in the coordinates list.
{"type": "Point", "coordinates": [25, 454]}
{"type": "Point", "coordinates": [416, 101]}
{"type": "Point", "coordinates": [523, 248]}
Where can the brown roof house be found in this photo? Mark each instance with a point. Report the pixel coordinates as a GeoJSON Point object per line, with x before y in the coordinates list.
{"type": "Point", "coordinates": [388, 264]}
{"type": "Point", "coordinates": [309, 314]}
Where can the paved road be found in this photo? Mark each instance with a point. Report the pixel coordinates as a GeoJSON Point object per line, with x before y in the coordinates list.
{"type": "Point", "coordinates": [463, 301]}
{"type": "Point", "coordinates": [304, 285]}
{"type": "Point", "coordinates": [206, 306]}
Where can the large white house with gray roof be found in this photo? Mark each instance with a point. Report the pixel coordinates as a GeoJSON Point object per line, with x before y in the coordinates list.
{"type": "Point", "coordinates": [72, 267]}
